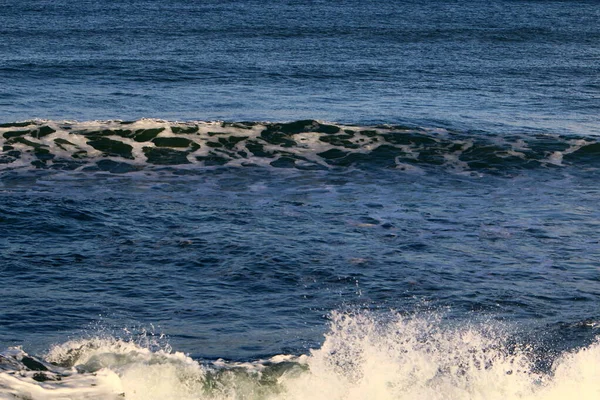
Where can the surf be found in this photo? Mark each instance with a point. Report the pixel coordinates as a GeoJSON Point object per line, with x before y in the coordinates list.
{"type": "Point", "coordinates": [146, 144]}
{"type": "Point", "coordinates": [363, 356]}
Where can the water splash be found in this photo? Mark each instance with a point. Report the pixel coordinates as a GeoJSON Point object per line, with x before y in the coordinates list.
{"type": "Point", "coordinates": [362, 357]}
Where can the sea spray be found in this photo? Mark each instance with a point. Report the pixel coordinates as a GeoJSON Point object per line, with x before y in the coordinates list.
{"type": "Point", "coordinates": [363, 356]}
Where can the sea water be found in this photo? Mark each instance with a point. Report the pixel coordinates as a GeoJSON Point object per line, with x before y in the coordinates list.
{"type": "Point", "coordinates": [299, 200]}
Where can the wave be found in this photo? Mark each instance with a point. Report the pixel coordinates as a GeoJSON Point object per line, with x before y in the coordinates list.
{"type": "Point", "coordinates": [128, 146]}
{"type": "Point", "coordinates": [361, 357]}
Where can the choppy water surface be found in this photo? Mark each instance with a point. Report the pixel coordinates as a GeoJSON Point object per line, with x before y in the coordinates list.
{"type": "Point", "coordinates": [506, 64]}
{"type": "Point", "coordinates": [414, 273]}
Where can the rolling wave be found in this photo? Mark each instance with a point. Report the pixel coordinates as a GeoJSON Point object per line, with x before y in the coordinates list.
{"type": "Point", "coordinates": [128, 146]}
{"type": "Point", "coordinates": [361, 358]}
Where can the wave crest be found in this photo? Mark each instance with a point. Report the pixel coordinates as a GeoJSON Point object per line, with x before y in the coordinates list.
{"type": "Point", "coordinates": [121, 147]}
{"type": "Point", "coordinates": [362, 357]}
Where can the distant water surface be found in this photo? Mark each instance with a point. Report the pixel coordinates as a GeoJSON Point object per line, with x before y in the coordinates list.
{"type": "Point", "coordinates": [299, 200]}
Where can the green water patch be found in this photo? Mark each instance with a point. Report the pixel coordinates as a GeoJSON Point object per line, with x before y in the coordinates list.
{"type": "Point", "coordinates": [165, 156]}
{"type": "Point", "coordinates": [139, 135]}
{"type": "Point", "coordinates": [288, 160]}
{"type": "Point", "coordinates": [383, 156]}
{"type": "Point", "coordinates": [228, 142]}
{"type": "Point", "coordinates": [231, 141]}
{"type": "Point", "coordinates": [542, 147]}
{"type": "Point", "coordinates": [145, 135]}
{"type": "Point", "coordinates": [295, 127]}
{"type": "Point", "coordinates": [180, 130]}
{"type": "Point", "coordinates": [212, 160]}
{"type": "Point", "coordinates": [257, 149]}
{"type": "Point", "coordinates": [43, 131]}
{"type": "Point", "coordinates": [80, 154]}
{"type": "Point", "coordinates": [17, 124]}
{"type": "Point", "coordinates": [432, 156]}
{"type": "Point", "coordinates": [482, 156]}
{"type": "Point", "coordinates": [239, 125]}
{"type": "Point", "coordinates": [62, 143]}
{"type": "Point", "coordinates": [39, 164]}
{"type": "Point", "coordinates": [9, 156]}
{"type": "Point", "coordinates": [13, 134]}
{"type": "Point", "coordinates": [494, 158]}
{"type": "Point", "coordinates": [43, 154]}
{"type": "Point", "coordinates": [34, 133]}
{"type": "Point", "coordinates": [6, 160]}
{"type": "Point", "coordinates": [111, 147]}
{"type": "Point", "coordinates": [586, 154]}
{"type": "Point", "coordinates": [277, 138]}
{"type": "Point", "coordinates": [347, 160]}
{"type": "Point", "coordinates": [369, 133]}
{"type": "Point", "coordinates": [126, 133]}
{"type": "Point", "coordinates": [408, 138]}
{"type": "Point", "coordinates": [340, 140]}
{"type": "Point", "coordinates": [176, 142]}
{"type": "Point", "coordinates": [26, 142]}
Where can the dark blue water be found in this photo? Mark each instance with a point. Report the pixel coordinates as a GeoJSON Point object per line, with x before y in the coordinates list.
{"type": "Point", "coordinates": [418, 220]}
{"type": "Point", "coordinates": [509, 65]}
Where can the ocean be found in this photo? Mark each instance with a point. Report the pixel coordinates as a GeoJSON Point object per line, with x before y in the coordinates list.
{"type": "Point", "coordinates": [300, 199]}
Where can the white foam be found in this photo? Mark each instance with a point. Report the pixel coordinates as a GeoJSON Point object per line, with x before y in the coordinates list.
{"type": "Point", "coordinates": [62, 384]}
{"type": "Point", "coordinates": [416, 359]}
{"type": "Point", "coordinates": [555, 158]}
{"type": "Point", "coordinates": [362, 357]}
{"type": "Point", "coordinates": [143, 374]}
{"type": "Point", "coordinates": [353, 140]}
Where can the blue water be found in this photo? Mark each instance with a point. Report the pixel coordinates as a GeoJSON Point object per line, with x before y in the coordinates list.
{"type": "Point", "coordinates": [476, 64]}
{"type": "Point", "coordinates": [402, 202]}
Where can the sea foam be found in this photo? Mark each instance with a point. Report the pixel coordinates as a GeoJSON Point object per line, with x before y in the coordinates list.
{"type": "Point", "coordinates": [362, 357]}
{"type": "Point", "coordinates": [123, 147]}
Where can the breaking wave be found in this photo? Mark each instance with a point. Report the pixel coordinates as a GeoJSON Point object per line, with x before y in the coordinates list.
{"type": "Point", "coordinates": [121, 147]}
{"type": "Point", "coordinates": [362, 357]}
